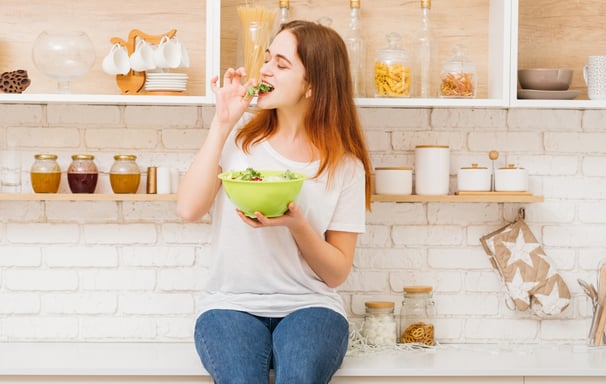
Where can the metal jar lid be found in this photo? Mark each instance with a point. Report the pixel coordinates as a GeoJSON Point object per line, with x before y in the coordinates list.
{"type": "Point", "coordinates": [83, 157]}
{"type": "Point", "coordinates": [45, 156]}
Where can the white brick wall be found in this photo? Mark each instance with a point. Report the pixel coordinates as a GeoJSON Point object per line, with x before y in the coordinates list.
{"type": "Point", "coordinates": [132, 271]}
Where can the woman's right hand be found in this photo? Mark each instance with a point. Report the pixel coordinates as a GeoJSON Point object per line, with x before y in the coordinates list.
{"type": "Point", "coordinates": [231, 101]}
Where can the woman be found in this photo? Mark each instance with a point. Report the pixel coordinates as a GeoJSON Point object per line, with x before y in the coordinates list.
{"type": "Point", "coordinates": [271, 300]}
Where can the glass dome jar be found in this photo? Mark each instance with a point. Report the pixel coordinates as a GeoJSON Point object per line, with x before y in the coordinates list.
{"type": "Point", "coordinates": [125, 175]}
{"type": "Point", "coordinates": [392, 71]}
{"type": "Point", "coordinates": [458, 76]}
{"type": "Point", "coordinates": [45, 174]}
{"type": "Point", "coordinates": [417, 316]}
{"type": "Point", "coordinates": [379, 327]}
{"type": "Point", "coordinates": [82, 174]}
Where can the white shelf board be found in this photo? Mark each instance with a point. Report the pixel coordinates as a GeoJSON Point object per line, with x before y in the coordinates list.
{"type": "Point", "coordinates": [74, 98]}
{"type": "Point", "coordinates": [431, 102]}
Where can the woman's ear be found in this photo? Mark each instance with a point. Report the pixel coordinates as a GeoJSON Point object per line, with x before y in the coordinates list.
{"type": "Point", "coordinates": [308, 93]}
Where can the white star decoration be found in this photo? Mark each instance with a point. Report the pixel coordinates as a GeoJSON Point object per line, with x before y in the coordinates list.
{"type": "Point", "coordinates": [552, 304]}
{"type": "Point", "coordinates": [518, 289]}
{"type": "Point", "coordinates": [520, 250]}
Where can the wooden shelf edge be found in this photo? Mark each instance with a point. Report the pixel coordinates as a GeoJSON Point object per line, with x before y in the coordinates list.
{"type": "Point", "coordinates": [85, 197]}
{"type": "Point", "coordinates": [173, 197]}
{"type": "Point", "coordinates": [458, 198]}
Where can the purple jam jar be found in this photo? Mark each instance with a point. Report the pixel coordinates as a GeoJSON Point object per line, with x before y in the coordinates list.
{"type": "Point", "coordinates": [82, 174]}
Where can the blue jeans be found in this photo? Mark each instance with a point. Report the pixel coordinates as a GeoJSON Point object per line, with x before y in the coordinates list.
{"type": "Point", "coordinates": [305, 347]}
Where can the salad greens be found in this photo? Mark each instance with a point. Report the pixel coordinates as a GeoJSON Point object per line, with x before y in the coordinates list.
{"type": "Point", "coordinates": [260, 88]}
{"type": "Point", "coordinates": [250, 174]}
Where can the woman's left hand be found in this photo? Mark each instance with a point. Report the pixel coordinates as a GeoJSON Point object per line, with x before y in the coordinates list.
{"type": "Point", "coordinates": [291, 218]}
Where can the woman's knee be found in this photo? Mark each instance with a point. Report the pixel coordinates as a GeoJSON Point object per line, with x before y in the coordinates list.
{"type": "Point", "coordinates": [309, 346]}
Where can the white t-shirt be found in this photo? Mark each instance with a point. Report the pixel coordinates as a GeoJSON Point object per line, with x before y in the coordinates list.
{"type": "Point", "coordinates": [260, 270]}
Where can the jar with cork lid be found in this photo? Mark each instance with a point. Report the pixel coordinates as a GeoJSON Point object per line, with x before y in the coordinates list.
{"type": "Point", "coordinates": [379, 327]}
{"type": "Point", "coordinates": [417, 316]}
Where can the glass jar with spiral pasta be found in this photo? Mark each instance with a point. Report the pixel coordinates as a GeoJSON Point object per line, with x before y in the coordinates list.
{"type": "Point", "coordinates": [392, 71]}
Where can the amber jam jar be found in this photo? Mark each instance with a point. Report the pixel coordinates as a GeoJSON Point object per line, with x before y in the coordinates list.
{"type": "Point", "coordinates": [125, 175]}
{"type": "Point", "coordinates": [82, 174]}
{"type": "Point", "coordinates": [45, 174]}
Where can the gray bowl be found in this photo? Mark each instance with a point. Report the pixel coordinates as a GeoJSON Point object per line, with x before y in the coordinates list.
{"type": "Point", "coordinates": [545, 79]}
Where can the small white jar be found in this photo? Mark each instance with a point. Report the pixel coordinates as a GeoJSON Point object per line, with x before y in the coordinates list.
{"type": "Point", "coordinates": [511, 179]}
{"type": "Point", "coordinates": [474, 178]}
{"type": "Point", "coordinates": [393, 180]}
{"type": "Point", "coordinates": [432, 169]}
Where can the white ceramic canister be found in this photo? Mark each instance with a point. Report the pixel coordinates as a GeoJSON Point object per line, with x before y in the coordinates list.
{"type": "Point", "coordinates": [432, 169]}
{"type": "Point", "coordinates": [393, 180]}
{"type": "Point", "coordinates": [511, 179]}
{"type": "Point", "coordinates": [474, 178]}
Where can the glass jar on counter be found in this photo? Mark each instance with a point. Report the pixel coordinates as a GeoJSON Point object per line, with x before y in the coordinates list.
{"type": "Point", "coordinates": [82, 174]}
{"type": "Point", "coordinates": [45, 173]}
{"type": "Point", "coordinates": [125, 175]}
{"type": "Point", "coordinates": [379, 327]}
{"type": "Point", "coordinates": [417, 316]}
{"type": "Point", "coordinates": [392, 71]}
{"type": "Point", "coordinates": [458, 76]}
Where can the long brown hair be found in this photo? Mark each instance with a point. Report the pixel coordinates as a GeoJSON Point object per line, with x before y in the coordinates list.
{"type": "Point", "coordinates": [331, 123]}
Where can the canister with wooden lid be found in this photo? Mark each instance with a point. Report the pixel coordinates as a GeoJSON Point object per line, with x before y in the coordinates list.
{"type": "Point", "coordinates": [393, 180]}
{"type": "Point", "coordinates": [432, 169]}
{"type": "Point", "coordinates": [511, 178]}
{"type": "Point", "coordinates": [474, 178]}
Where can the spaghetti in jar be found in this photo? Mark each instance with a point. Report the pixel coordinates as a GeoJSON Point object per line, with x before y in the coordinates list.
{"type": "Point", "coordinates": [417, 316]}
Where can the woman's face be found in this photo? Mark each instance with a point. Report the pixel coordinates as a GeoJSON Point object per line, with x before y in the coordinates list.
{"type": "Point", "coordinates": [284, 71]}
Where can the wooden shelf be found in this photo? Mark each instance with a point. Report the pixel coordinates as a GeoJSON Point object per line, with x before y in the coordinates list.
{"type": "Point", "coordinates": [485, 198]}
{"type": "Point", "coordinates": [85, 197]}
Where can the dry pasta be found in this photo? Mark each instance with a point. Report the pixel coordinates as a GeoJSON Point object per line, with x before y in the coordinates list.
{"type": "Point", "coordinates": [257, 24]}
{"type": "Point", "coordinates": [392, 80]}
{"type": "Point", "coordinates": [457, 84]}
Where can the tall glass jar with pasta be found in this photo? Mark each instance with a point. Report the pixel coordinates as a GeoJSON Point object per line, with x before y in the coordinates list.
{"type": "Point", "coordinates": [257, 24]}
{"type": "Point", "coordinates": [417, 316]}
{"type": "Point", "coordinates": [392, 71]}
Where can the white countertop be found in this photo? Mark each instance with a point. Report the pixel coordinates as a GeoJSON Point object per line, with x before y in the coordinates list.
{"type": "Point", "coordinates": [180, 359]}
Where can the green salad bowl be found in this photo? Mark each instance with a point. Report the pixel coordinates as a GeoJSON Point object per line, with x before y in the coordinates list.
{"type": "Point", "coordinates": [270, 196]}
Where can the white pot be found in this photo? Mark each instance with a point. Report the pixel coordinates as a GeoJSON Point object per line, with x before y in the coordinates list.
{"type": "Point", "coordinates": [511, 179]}
{"type": "Point", "coordinates": [393, 180]}
{"type": "Point", "coordinates": [474, 178]}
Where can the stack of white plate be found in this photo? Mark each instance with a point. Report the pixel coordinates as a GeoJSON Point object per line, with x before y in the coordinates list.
{"type": "Point", "coordinates": [165, 81]}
